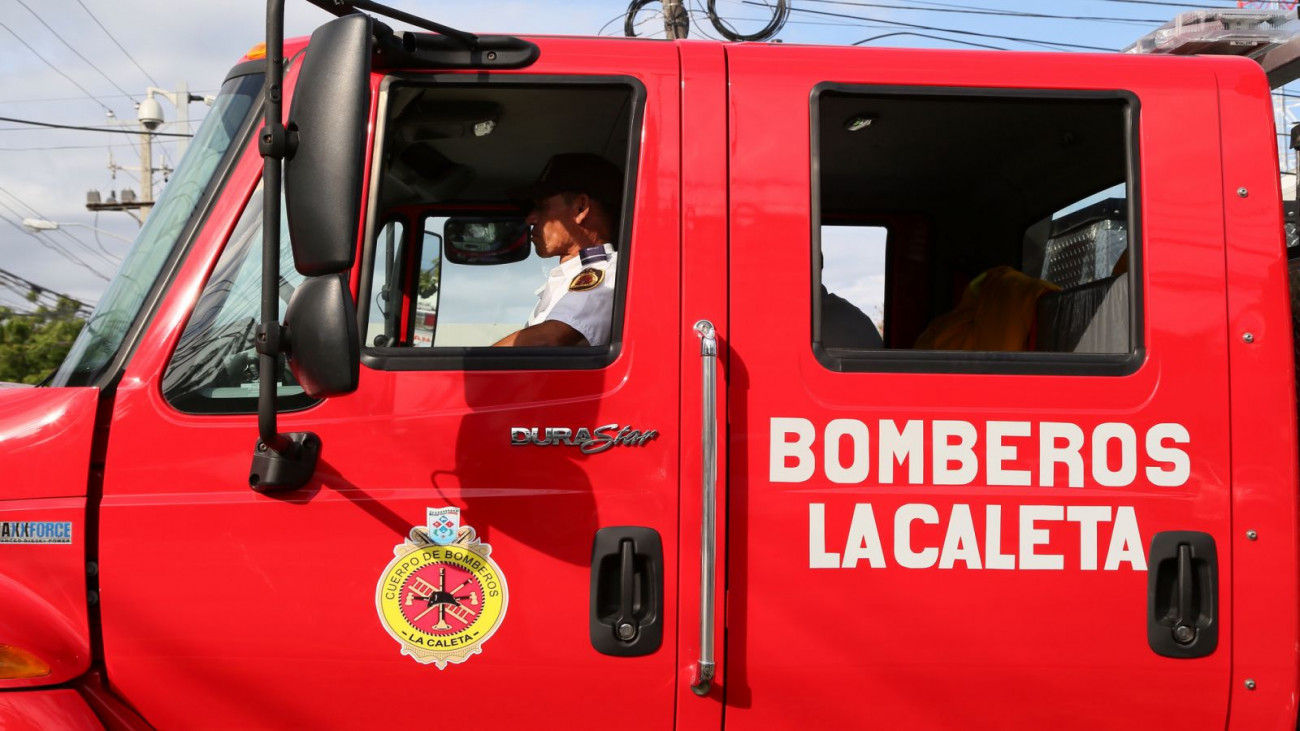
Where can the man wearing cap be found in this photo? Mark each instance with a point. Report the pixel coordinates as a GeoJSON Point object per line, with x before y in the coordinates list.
{"type": "Point", "coordinates": [575, 207]}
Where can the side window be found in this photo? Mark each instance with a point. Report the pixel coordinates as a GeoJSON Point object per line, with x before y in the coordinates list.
{"type": "Point", "coordinates": [1014, 236]}
{"type": "Point", "coordinates": [852, 295]}
{"type": "Point", "coordinates": [384, 323]}
{"type": "Point", "coordinates": [466, 252]}
{"type": "Point", "coordinates": [214, 369]}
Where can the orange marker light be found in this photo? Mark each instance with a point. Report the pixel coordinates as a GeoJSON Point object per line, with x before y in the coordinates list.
{"type": "Point", "coordinates": [16, 662]}
{"type": "Point", "coordinates": [257, 51]}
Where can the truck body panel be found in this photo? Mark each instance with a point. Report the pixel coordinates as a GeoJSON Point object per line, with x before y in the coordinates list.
{"type": "Point", "coordinates": [907, 535]}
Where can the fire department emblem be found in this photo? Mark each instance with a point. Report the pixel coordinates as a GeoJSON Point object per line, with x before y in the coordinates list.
{"type": "Point", "coordinates": [588, 278]}
{"type": "Point", "coordinates": [441, 602]}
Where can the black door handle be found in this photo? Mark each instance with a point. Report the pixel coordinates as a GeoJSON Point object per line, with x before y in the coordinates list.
{"type": "Point", "coordinates": [1183, 594]}
{"type": "Point", "coordinates": [627, 598]}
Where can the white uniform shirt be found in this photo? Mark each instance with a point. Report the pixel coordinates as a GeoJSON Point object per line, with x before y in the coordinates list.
{"type": "Point", "coordinates": [589, 311]}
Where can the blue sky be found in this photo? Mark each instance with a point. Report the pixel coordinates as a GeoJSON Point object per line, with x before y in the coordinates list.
{"type": "Point", "coordinates": [61, 63]}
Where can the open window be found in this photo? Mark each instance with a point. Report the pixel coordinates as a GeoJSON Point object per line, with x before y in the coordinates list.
{"type": "Point", "coordinates": [449, 268]}
{"type": "Point", "coordinates": [975, 230]}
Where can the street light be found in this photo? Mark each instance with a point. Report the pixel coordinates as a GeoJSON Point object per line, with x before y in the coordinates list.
{"type": "Point", "coordinates": [37, 225]}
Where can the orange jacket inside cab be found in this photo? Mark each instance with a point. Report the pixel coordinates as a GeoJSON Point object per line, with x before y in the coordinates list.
{"type": "Point", "coordinates": [911, 389]}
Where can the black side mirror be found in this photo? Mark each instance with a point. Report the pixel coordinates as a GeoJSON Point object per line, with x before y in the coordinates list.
{"type": "Point", "coordinates": [324, 353]}
{"type": "Point", "coordinates": [327, 144]}
{"type": "Point", "coordinates": [485, 240]}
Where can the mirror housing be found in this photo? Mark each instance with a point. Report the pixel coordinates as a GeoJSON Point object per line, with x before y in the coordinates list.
{"type": "Point", "coordinates": [327, 126]}
{"type": "Point", "coordinates": [324, 351]}
{"type": "Point", "coordinates": [486, 240]}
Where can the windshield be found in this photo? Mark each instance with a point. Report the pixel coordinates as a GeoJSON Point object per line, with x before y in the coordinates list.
{"type": "Point", "coordinates": [104, 333]}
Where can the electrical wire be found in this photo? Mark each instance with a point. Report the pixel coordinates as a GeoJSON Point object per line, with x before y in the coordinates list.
{"type": "Point", "coordinates": [114, 262]}
{"type": "Point", "coordinates": [1191, 6]}
{"type": "Point", "coordinates": [972, 10]}
{"type": "Point", "coordinates": [975, 34]}
{"type": "Point", "coordinates": [57, 249]}
{"type": "Point", "coordinates": [52, 125]}
{"type": "Point", "coordinates": [119, 45]}
{"type": "Point", "coordinates": [926, 35]}
{"type": "Point", "coordinates": [101, 96]}
{"type": "Point", "coordinates": [63, 147]}
{"type": "Point", "coordinates": [39, 289]}
{"type": "Point", "coordinates": [56, 69]}
{"type": "Point", "coordinates": [780, 13]}
{"type": "Point", "coordinates": [90, 63]}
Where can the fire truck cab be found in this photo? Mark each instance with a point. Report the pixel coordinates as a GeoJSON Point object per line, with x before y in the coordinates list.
{"type": "Point", "coordinates": [943, 389]}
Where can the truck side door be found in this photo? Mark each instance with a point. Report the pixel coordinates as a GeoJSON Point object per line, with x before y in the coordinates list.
{"type": "Point", "coordinates": [978, 391]}
{"type": "Point", "coordinates": [305, 605]}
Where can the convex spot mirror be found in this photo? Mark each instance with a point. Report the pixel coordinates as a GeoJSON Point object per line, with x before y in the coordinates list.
{"type": "Point", "coordinates": [485, 240]}
{"type": "Point", "coordinates": [324, 350]}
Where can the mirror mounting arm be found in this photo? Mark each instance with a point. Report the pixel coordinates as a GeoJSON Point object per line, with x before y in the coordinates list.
{"type": "Point", "coordinates": [280, 461]}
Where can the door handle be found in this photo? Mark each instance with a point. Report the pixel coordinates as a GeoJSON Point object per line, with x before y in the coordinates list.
{"type": "Point", "coordinates": [627, 598]}
{"type": "Point", "coordinates": [1183, 594]}
{"type": "Point", "coordinates": [702, 679]}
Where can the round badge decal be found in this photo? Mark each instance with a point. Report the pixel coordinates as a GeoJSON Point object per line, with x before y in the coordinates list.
{"type": "Point", "coordinates": [441, 602]}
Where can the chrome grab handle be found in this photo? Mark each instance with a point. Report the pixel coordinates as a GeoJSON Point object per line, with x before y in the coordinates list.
{"type": "Point", "coordinates": [702, 681]}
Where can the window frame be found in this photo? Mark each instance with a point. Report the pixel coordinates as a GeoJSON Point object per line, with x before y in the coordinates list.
{"type": "Point", "coordinates": [487, 358]}
{"type": "Point", "coordinates": [844, 360]}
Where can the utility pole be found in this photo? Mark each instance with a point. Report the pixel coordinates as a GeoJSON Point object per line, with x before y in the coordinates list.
{"type": "Point", "coordinates": [676, 20]}
{"type": "Point", "coordinates": [150, 116]}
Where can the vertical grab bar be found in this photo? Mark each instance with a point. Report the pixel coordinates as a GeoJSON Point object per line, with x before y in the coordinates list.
{"type": "Point", "coordinates": [702, 681]}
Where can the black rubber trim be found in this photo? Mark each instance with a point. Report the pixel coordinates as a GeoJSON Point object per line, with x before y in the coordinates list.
{"type": "Point", "coordinates": [248, 68]}
{"type": "Point", "coordinates": [923, 361]}
{"type": "Point", "coordinates": [516, 359]}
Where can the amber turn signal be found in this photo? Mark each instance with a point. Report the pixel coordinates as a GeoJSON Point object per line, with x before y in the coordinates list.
{"type": "Point", "coordinates": [15, 662]}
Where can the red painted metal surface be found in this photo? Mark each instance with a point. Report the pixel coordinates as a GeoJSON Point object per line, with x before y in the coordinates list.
{"type": "Point", "coordinates": [1265, 597]}
{"type": "Point", "coordinates": [893, 647]}
{"type": "Point", "coordinates": [257, 607]}
{"type": "Point", "coordinates": [45, 441]}
{"type": "Point", "coordinates": [42, 710]}
{"type": "Point", "coordinates": [261, 609]}
{"type": "Point", "coordinates": [704, 296]}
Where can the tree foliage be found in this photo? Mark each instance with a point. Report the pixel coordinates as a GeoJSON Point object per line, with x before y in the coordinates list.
{"type": "Point", "coordinates": [33, 344]}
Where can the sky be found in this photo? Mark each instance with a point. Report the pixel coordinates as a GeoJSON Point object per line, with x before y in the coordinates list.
{"type": "Point", "coordinates": [72, 62]}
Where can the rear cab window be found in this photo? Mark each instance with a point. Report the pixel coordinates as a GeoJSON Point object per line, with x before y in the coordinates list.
{"type": "Point", "coordinates": [975, 230]}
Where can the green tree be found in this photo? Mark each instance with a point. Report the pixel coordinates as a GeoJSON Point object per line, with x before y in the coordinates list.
{"type": "Point", "coordinates": [33, 344]}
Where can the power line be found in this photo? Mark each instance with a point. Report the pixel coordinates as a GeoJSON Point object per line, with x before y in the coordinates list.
{"type": "Point", "coordinates": [74, 50]}
{"type": "Point", "coordinates": [947, 30]}
{"type": "Point", "coordinates": [119, 45]}
{"type": "Point", "coordinates": [38, 288]}
{"type": "Point", "coordinates": [1196, 6]}
{"type": "Point", "coordinates": [102, 96]}
{"type": "Point", "coordinates": [973, 10]}
{"type": "Point", "coordinates": [56, 68]}
{"type": "Point", "coordinates": [47, 243]}
{"type": "Point", "coordinates": [927, 35]}
{"type": "Point", "coordinates": [65, 147]}
{"type": "Point", "coordinates": [88, 129]}
{"type": "Point", "coordinates": [57, 249]}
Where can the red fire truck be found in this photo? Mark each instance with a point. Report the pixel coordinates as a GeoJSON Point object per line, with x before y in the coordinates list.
{"type": "Point", "coordinates": [945, 389]}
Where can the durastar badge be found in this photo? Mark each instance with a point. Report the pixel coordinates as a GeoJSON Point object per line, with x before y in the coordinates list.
{"type": "Point", "coordinates": [590, 441]}
{"type": "Point", "coordinates": [441, 603]}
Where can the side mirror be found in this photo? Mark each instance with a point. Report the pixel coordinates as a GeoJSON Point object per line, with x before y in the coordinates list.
{"type": "Point", "coordinates": [485, 240]}
{"type": "Point", "coordinates": [324, 352]}
{"type": "Point", "coordinates": [327, 144]}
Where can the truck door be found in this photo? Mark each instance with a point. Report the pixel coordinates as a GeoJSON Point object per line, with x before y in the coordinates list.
{"type": "Point", "coordinates": [977, 390]}
{"type": "Point", "coordinates": [224, 607]}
